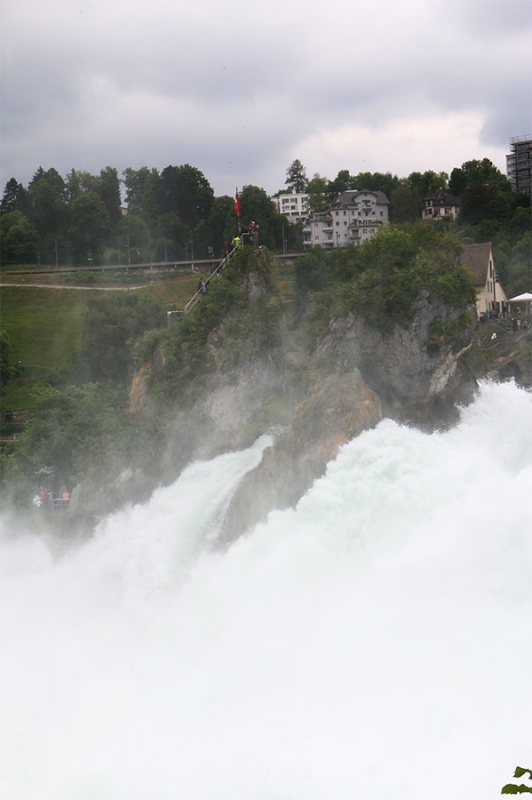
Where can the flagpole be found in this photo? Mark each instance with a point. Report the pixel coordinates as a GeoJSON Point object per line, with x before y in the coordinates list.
{"type": "Point", "coordinates": [237, 208]}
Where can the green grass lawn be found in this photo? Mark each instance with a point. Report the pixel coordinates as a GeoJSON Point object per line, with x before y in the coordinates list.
{"type": "Point", "coordinates": [45, 324]}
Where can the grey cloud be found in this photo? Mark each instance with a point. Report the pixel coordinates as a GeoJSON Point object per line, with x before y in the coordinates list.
{"type": "Point", "coordinates": [127, 84]}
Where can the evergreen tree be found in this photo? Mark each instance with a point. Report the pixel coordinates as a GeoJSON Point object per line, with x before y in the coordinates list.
{"type": "Point", "coordinates": [296, 177]}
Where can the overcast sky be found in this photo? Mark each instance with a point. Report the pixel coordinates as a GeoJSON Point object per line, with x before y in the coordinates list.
{"type": "Point", "coordinates": [241, 90]}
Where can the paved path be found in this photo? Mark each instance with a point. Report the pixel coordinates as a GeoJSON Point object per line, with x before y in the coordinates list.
{"type": "Point", "coordinates": [78, 288]}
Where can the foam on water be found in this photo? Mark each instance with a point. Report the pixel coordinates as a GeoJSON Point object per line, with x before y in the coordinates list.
{"type": "Point", "coordinates": [374, 642]}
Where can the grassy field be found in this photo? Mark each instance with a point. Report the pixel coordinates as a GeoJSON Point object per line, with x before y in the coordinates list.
{"type": "Point", "coordinates": [43, 314]}
{"type": "Point", "coordinates": [44, 320]}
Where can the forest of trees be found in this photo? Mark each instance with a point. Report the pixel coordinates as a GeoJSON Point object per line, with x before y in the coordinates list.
{"type": "Point", "coordinates": [174, 214]}
{"type": "Point", "coordinates": [170, 215]}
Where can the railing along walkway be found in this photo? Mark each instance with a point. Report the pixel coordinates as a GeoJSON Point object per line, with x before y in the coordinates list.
{"type": "Point", "coordinates": [194, 299]}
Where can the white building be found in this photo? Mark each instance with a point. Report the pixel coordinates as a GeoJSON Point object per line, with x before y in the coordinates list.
{"type": "Point", "coordinates": [353, 218]}
{"type": "Point", "coordinates": [294, 205]}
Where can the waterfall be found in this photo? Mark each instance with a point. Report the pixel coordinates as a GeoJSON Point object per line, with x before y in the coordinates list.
{"type": "Point", "coordinates": [373, 642]}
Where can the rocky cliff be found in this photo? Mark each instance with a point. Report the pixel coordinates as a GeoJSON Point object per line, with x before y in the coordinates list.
{"type": "Point", "coordinates": [361, 375]}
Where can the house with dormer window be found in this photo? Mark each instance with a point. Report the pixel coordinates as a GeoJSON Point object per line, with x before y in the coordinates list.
{"type": "Point", "coordinates": [440, 205]}
{"type": "Point", "coordinates": [491, 297]}
{"type": "Point", "coordinates": [353, 218]}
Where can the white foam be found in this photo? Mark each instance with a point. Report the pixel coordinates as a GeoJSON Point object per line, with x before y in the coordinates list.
{"type": "Point", "coordinates": [374, 642]}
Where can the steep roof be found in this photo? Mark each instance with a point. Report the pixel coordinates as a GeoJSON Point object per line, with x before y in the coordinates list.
{"type": "Point", "coordinates": [476, 257]}
{"type": "Point", "coordinates": [350, 196]}
{"type": "Point", "coordinates": [440, 197]}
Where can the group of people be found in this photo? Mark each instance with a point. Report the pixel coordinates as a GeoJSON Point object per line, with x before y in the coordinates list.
{"type": "Point", "coordinates": [49, 501]}
{"type": "Point", "coordinates": [245, 235]}
{"type": "Point", "coordinates": [251, 233]}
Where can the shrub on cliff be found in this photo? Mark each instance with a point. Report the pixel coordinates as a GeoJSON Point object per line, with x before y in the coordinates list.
{"type": "Point", "coordinates": [239, 317]}
{"type": "Point", "coordinates": [382, 279]}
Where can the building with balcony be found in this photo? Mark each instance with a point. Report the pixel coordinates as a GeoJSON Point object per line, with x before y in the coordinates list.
{"type": "Point", "coordinates": [293, 205]}
{"type": "Point", "coordinates": [353, 218]}
{"type": "Point", "coordinates": [519, 164]}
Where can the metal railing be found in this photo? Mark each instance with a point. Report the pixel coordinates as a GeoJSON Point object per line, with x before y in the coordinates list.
{"type": "Point", "coordinates": [194, 299]}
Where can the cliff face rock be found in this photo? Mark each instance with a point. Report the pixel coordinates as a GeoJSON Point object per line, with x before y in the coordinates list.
{"type": "Point", "coordinates": [233, 408]}
{"type": "Point", "coordinates": [364, 374]}
{"type": "Point", "coordinates": [418, 378]}
{"type": "Point", "coordinates": [339, 408]}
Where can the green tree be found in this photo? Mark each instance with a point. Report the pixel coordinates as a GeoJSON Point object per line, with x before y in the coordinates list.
{"type": "Point", "coordinates": [296, 176]}
{"type": "Point", "coordinates": [339, 184]}
{"type": "Point", "coordinates": [482, 201]}
{"type": "Point", "coordinates": [376, 182]}
{"type": "Point", "coordinates": [79, 182]}
{"type": "Point", "coordinates": [8, 368]}
{"type": "Point", "coordinates": [258, 207]}
{"type": "Point", "coordinates": [186, 191]}
{"type": "Point", "coordinates": [173, 236]}
{"type": "Point", "coordinates": [318, 194]}
{"type": "Point", "coordinates": [382, 279]}
{"type": "Point", "coordinates": [428, 181]}
{"type": "Point", "coordinates": [476, 171]}
{"type": "Point", "coordinates": [405, 203]}
{"type": "Point", "coordinates": [15, 198]}
{"type": "Point", "coordinates": [49, 213]}
{"type": "Point", "coordinates": [221, 223]}
{"type": "Point", "coordinates": [53, 178]}
{"type": "Point", "coordinates": [19, 239]}
{"type": "Point", "coordinates": [312, 275]}
{"type": "Point", "coordinates": [112, 325]}
{"type": "Point", "coordinates": [133, 237]}
{"type": "Point", "coordinates": [108, 189]}
{"type": "Point", "coordinates": [68, 428]}
{"type": "Point", "coordinates": [89, 228]}
{"type": "Point", "coordinates": [142, 189]}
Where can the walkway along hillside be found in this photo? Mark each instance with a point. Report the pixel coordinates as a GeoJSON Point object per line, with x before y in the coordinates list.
{"type": "Point", "coordinates": [180, 313]}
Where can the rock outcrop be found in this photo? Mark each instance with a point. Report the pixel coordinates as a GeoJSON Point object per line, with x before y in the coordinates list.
{"type": "Point", "coordinates": [363, 375]}
{"type": "Point", "coordinates": [418, 378]}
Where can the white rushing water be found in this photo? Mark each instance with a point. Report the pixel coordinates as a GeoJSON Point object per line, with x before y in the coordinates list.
{"type": "Point", "coordinates": [374, 642]}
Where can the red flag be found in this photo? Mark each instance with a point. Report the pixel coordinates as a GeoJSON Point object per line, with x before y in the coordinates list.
{"type": "Point", "coordinates": [237, 204]}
